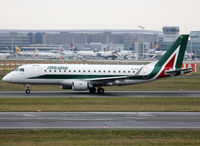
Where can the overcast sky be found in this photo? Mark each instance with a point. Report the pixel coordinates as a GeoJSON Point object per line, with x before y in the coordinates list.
{"type": "Point", "coordinates": [99, 14]}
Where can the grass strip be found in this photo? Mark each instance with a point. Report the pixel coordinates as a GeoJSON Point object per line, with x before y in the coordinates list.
{"type": "Point", "coordinates": [100, 104]}
{"type": "Point", "coordinates": [99, 137]}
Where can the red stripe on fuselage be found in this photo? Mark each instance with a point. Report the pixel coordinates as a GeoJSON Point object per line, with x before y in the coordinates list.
{"type": "Point", "coordinates": [168, 66]}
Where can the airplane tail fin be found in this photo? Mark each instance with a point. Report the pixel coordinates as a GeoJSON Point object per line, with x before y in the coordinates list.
{"type": "Point", "coordinates": [18, 49]}
{"type": "Point", "coordinates": [173, 58]}
{"type": "Point", "coordinates": [74, 48]}
{"type": "Point", "coordinates": [61, 49]}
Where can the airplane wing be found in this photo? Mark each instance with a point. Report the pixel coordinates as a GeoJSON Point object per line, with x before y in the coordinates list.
{"type": "Point", "coordinates": [178, 72]}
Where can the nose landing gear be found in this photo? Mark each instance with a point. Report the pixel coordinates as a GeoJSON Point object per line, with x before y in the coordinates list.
{"type": "Point", "coordinates": [28, 91]}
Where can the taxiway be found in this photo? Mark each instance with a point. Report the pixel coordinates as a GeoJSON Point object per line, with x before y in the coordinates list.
{"type": "Point", "coordinates": [64, 94]}
{"type": "Point", "coordinates": [99, 120]}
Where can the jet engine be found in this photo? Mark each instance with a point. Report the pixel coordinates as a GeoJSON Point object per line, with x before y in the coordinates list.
{"type": "Point", "coordinates": [80, 85]}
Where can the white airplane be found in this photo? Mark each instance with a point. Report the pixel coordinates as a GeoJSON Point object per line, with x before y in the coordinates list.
{"type": "Point", "coordinates": [4, 55]}
{"type": "Point", "coordinates": [108, 54]}
{"type": "Point", "coordinates": [36, 53]}
{"type": "Point", "coordinates": [83, 53]}
{"type": "Point", "coordinates": [66, 53]}
{"type": "Point", "coordinates": [81, 77]}
{"type": "Point", "coordinates": [47, 55]}
{"type": "Point", "coordinates": [87, 53]}
{"type": "Point", "coordinates": [24, 53]}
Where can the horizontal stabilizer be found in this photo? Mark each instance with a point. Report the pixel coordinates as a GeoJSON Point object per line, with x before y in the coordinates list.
{"type": "Point", "coordinates": [178, 72]}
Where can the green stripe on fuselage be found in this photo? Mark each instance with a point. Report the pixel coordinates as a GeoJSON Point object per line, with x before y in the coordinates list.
{"type": "Point", "coordinates": [57, 76]}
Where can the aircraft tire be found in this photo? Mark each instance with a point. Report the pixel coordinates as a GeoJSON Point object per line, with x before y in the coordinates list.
{"type": "Point", "coordinates": [28, 91]}
{"type": "Point", "coordinates": [100, 91]}
{"type": "Point", "coordinates": [92, 90]}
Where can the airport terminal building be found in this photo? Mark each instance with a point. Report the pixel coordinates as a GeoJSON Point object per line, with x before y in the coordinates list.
{"type": "Point", "coordinates": [139, 41]}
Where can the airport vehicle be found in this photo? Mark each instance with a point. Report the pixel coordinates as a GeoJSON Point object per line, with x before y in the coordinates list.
{"type": "Point", "coordinates": [81, 77]}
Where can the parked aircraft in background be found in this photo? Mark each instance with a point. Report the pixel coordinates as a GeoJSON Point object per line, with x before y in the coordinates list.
{"type": "Point", "coordinates": [83, 53]}
{"type": "Point", "coordinates": [24, 53]}
{"type": "Point", "coordinates": [87, 53]}
{"type": "Point", "coordinates": [81, 77]}
{"type": "Point", "coordinates": [46, 55]}
{"type": "Point", "coordinates": [4, 56]}
{"type": "Point", "coordinates": [67, 53]}
{"type": "Point", "coordinates": [112, 55]}
{"type": "Point", "coordinates": [37, 54]}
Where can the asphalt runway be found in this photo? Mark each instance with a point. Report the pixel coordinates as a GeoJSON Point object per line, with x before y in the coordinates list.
{"type": "Point", "coordinates": [99, 120]}
{"type": "Point", "coordinates": [64, 94]}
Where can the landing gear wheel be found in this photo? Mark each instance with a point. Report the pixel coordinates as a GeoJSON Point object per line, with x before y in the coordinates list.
{"type": "Point", "coordinates": [28, 91]}
{"type": "Point", "coordinates": [100, 91]}
{"type": "Point", "coordinates": [92, 90]}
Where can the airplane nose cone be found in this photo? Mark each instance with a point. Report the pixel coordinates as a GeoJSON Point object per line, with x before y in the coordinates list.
{"type": "Point", "coordinates": [7, 78]}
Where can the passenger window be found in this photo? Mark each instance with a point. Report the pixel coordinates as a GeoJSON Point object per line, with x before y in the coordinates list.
{"type": "Point", "coordinates": [119, 71]}
{"type": "Point", "coordinates": [49, 70]}
{"type": "Point", "coordinates": [133, 71]}
{"type": "Point", "coordinates": [79, 71]}
{"type": "Point", "coordinates": [84, 71]}
{"type": "Point", "coordinates": [88, 70]}
{"type": "Point", "coordinates": [59, 70]}
{"type": "Point", "coordinates": [99, 71]}
{"type": "Point", "coordinates": [124, 71]}
{"type": "Point", "coordinates": [104, 71]}
{"type": "Point", "coordinates": [45, 70]}
{"type": "Point", "coordinates": [114, 71]}
{"type": "Point", "coordinates": [69, 70]}
{"type": "Point", "coordinates": [109, 71]}
{"type": "Point", "coordinates": [65, 71]}
{"type": "Point", "coordinates": [54, 70]}
{"type": "Point", "coordinates": [74, 70]}
{"type": "Point", "coordinates": [128, 71]}
{"type": "Point", "coordinates": [94, 70]}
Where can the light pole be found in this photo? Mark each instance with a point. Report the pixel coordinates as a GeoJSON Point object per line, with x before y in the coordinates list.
{"type": "Point", "coordinates": [142, 27]}
{"type": "Point", "coordinates": [191, 45]}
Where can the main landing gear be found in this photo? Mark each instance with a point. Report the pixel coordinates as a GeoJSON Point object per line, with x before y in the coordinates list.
{"type": "Point", "coordinates": [98, 91]}
{"type": "Point", "coordinates": [28, 91]}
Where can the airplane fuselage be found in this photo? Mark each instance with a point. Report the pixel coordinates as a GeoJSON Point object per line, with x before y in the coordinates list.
{"type": "Point", "coordinates": [66, 74]}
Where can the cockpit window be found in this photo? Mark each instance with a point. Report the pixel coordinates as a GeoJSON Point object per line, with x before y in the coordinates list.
{"type": "Point", "coordinates": [20, 69]}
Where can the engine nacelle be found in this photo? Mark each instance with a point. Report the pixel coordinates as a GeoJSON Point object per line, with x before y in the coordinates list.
{"type": "Point", "coordinates": [80, 85]}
